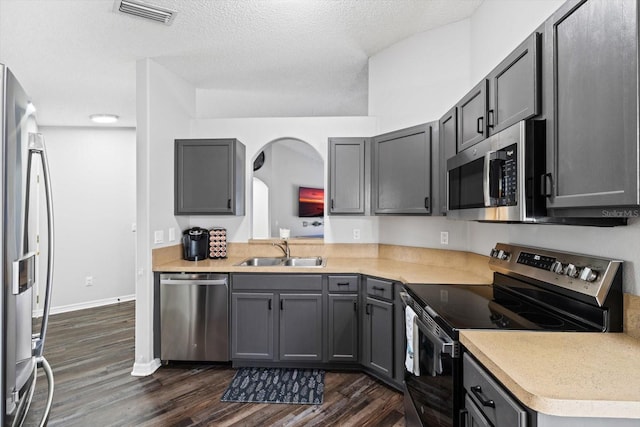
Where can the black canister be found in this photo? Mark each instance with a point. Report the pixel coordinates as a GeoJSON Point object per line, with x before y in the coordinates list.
{"type": "Point", "coordinates": [195, 242]}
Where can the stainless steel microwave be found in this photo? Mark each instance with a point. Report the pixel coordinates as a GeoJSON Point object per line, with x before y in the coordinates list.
{"type": "Point", "coordinates": [498, 179]}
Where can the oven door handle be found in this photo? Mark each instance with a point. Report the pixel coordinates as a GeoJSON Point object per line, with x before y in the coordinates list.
{"type": "Point", "coordinates": [439, 344]}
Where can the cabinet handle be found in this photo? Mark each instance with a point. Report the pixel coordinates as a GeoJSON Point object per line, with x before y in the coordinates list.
{"type": "Point", "coordinates": [281, 304]}
{"type": "Point", "coordinates": [355, 306]}
{"type": "Point", "coordinates": [479, 125]}
{"type": "Point", "coordinates": [464, 415]}
{"type": "Point", "coordinates": [426, 203]}
{"type": "Point", "coordinates": [546, 185]}
{"type": "Point", "coordinates": [270, 303]}
{"type": "Point", "coordinates": [490, 119]}
{"type": "Point", "coordinates": [228, 203]}
{"type": "Point", "coordinates": [333, 203]}
{"type": "Point", "coordinates": [342, 283]}
{"type": "Point", "coordinates": [477, 391]}
{"type": "Point", "coordinates": [367, 308]}
{"type": "Point", "coordinates": [377, 288]}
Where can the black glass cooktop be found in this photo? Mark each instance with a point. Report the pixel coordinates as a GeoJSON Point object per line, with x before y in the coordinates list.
{"type": "Point", "coordinates": [487, 307]}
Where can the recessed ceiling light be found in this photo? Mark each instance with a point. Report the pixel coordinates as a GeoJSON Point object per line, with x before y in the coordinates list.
{"type": "Point", "coordinates": [103, 118]}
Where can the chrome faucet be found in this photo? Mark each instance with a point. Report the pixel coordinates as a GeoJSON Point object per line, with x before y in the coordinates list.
{"type": "Point", "coordinates": [284, 246]}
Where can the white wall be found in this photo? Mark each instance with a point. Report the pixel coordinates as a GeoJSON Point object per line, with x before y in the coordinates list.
{"type": "Point", "coordinates": [418, 79]}
{"type": "Point", "coordinates": [498, 26]}
{"type": "Point", "coordinates": [255, 133]}
{"type": "Point", "coordinates": [93, 183]}
{"type": "Point", "coordinates": [165, 105]}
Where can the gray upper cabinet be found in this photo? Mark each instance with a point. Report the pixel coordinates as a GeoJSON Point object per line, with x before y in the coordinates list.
{"type": "Point", "coordinates": [472, 109]}
{"type": "Point", "coordinates": [448, 140]}
{"type": "Point", "coordinates": [510, 93]}
{"type": "Point", "coordinates": [591, 106]}
{"type": "Point", "coordinates": [514, 86]}
{"type": "Point", "coordinates": [401, 172]}
{"type": "Point", "coordinates": [348, 180]}
{"type": "Point", "coordinates": [209, 177]}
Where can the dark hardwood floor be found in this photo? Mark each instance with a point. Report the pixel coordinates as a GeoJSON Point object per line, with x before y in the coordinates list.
{"type": "Point", "coordinates": [92, 352]}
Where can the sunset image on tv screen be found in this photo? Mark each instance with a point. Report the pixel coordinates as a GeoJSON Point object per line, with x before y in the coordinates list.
{"type": "Point", "coordinates": [311, 202]}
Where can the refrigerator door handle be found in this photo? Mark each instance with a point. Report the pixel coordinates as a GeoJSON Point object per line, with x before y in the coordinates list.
{"type": "Point", "coordinates": [36, 146]}
{"type": "Point", "coordinates": [24, 273]}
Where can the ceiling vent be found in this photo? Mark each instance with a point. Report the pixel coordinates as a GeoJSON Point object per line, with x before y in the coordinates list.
{"type": "Point", "coordinates": [145, 11]}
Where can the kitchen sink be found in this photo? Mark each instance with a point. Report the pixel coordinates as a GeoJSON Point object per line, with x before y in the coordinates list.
{"type": "Point", "coordinates": [315, 261]}
{"type": "Point", "coordinates": [262, 262]}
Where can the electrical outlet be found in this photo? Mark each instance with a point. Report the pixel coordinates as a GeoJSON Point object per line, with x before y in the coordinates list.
{"type": "Point", "coordinates": [158, 236]}
{"type": "Point", "coordinates": [444, 237]}
{"type": "Point", "coordinates": [88, 281]}
{"type": "Point", "coordinates": [356, 234]}
{"type": "Point", "coordinates": [172, 234]}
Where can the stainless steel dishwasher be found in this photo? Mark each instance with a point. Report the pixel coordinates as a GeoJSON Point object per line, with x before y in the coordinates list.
{"type": "Point", "coordinates": [194, 317]}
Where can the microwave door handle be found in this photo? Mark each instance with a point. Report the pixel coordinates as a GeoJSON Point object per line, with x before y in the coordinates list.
{"type": "Point", "coordinates": [486, 185]}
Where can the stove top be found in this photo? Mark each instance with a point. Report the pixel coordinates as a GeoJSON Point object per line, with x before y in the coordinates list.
{"type": "Point", "coordinates": [533, 289]}
{"type": "Point", "coordinates": [455, 307]}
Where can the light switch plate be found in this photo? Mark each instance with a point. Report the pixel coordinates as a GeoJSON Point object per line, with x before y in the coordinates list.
{"type": "Point", "coordinates": [158, 236]}
{"type": "Point", "coordinates": [444, 237]}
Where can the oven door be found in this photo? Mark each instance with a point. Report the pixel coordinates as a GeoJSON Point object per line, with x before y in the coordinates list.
{"type": "Point", "coordinates": [435, 392]}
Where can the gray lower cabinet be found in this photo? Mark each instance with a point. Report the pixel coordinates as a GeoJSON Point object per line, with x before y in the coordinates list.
{"type": "Point", "coordinates": [378, 327]}
{"type": "Point", "coordinates": [348, 176]}
{"type": "Point", "coordinates": [252, 326]}
{"type": "Point", "coordinates": [300, 330]}
{"type": "Point", "coordinates": [342, 327]}
{"type": "Point", "coordinates": [401, 172]}
{"type": "Point", "coordinates": [277, 317]}
{"type": "Point", "coordinates": [591, 106]}
{"type": "Point", "coordinates": [377, 351]}
{"type": "Point", "coordinates": [209, 177]}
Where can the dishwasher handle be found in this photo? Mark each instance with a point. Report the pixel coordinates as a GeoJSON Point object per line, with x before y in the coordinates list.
{"type": "Point", "coordinates": [216, 282]}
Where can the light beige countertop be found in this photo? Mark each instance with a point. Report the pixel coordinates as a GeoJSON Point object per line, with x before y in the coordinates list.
{"type": "Point", "coordinates": [406, 272]}
{"type": "Point", "coordinates": [570, 374]}
{"type": "Point", "coordinates": [402, 263]}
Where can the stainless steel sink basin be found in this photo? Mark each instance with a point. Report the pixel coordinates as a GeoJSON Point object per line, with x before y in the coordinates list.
{"type": "Point", "coordinates": [315, 261]}
{"type": "Point", "coordinates": [304, 262]}
{"type": "Point", "coordinates": [262, 262]}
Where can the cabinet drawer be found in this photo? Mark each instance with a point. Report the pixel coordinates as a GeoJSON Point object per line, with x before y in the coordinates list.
{"type": "Point", "coordinates": [480, 387]}
{"type": "Point", "coordinates": [281, 282]}
{"type": "Point", "coordinates": [379, 288]}
{"type": "Point", "coordinates": [343, 283]}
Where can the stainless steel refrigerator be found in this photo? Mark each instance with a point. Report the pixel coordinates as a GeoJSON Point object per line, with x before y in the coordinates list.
{"type": "Point", "coordinates": [24, 172]}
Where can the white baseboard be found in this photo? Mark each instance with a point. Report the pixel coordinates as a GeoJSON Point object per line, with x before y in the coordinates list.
{"type": "Point", "coordinates": [83, 305]}
{"type": "Point", "coordinates": [145, 369]}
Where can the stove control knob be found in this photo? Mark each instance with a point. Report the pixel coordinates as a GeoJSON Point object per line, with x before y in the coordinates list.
{"type": "Point", "coordinates": [494, 253]}
{"type": "Point", "coordinates": [557, 267]}
{"type": "Point", "coordinates": [571, 270]}
{"type": "Point", "coordinates": [588, 274]}
{"type": "Point", "coordinates": [503, 255]}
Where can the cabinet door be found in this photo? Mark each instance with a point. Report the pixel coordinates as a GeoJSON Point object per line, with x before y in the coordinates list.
{"type": "Point", "coordinates": [591, 58]}
{"type": "Point", "coordinates": [402, 172]}
{"type": "Point", "coordinates": [472, 109]}
{"type": "Point", "coordinates": [252, 326]}
{"type": "Point", "coordinates": [514, 86]}
{"type": "Point", "coordinates": [300, 327]}
{"type": "Point", "coordinates": [473, 414]}
{"type": "Point", "coordinates": [448, 144]}
{"type": "Point", "coordinates": [347, 175]}
{"type": "Point", "coordinates": [377, 352]}
{"type": "Point", "coordinates": [209, 177]}
{"type": "Point", "coordinates": [343, 327]}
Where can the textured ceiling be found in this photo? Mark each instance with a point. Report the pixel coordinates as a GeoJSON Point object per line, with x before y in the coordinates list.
{"type": "Point", "coordinates": [77, 57]}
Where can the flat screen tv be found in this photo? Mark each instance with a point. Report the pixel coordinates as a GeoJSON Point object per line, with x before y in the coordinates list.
{"type": "Point", "coordinates": [310, 202]}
